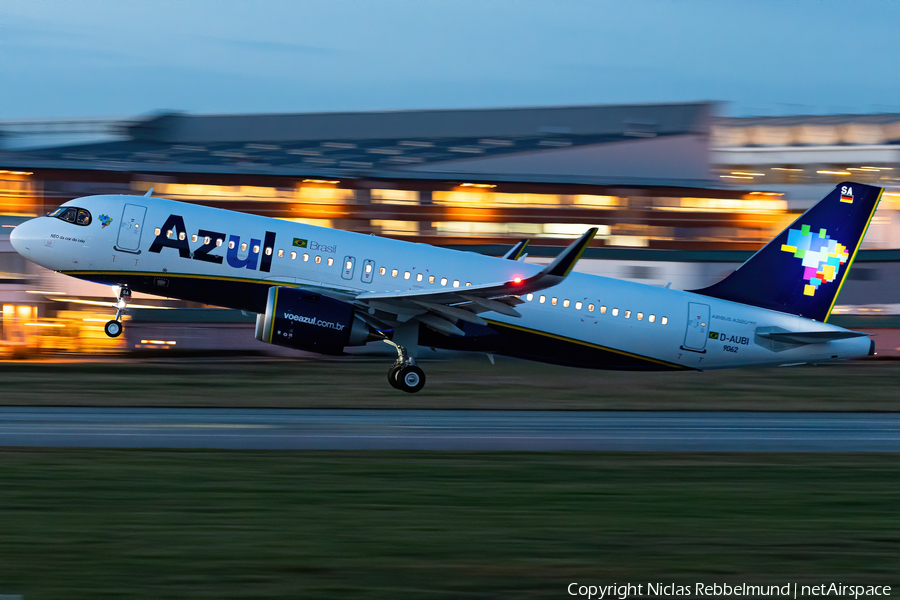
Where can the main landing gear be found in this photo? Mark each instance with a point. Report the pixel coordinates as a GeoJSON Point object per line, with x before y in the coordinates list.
{"type": "Point", "coordinates": [404, 374]}
{"type": "Point", "coordinates": [114, 328]}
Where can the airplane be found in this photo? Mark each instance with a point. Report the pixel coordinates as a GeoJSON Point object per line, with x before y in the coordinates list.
{"type": "Point", "coordinates": [323, 290]}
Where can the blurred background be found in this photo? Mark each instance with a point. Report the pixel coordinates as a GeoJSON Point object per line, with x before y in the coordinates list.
{"type": "Point", "coordinates": [689, 133]}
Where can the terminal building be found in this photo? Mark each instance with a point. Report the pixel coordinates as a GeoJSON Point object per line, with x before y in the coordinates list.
{"type": "Point", "coordinates": [680, 196]}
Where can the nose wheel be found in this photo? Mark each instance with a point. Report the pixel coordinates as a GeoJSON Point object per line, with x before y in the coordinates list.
{"type": "Point", "coordinates": [404, 374]}
{"type": "Point", "coordinates": [114, 328]}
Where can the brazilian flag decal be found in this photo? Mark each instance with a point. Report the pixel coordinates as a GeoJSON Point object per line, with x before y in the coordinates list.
{"type": "Point", "coordinates": [714, 335]}
{"type": "Point", "coordinates": [298, 243]}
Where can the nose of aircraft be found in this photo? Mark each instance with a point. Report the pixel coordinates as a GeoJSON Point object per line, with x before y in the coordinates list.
{"type": "Point", "coordinates": [23, 237]}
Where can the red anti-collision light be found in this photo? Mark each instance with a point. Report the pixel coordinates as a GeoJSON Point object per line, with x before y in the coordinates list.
{"type": "Point", "coordinates": [517, 280]}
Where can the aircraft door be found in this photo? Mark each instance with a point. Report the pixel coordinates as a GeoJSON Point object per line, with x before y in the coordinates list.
{"type": "Point", "coordinates": [349, 266]}
{"type": "Point", "coordinates": [697, 327]}
{"type": "Point", "coordinates": [368, 271]}
{"type": "Point", "coordinates": [130, 228]}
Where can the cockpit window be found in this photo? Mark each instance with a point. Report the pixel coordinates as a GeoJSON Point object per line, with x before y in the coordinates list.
{"type": "Point", "coordinates": [71, 214]}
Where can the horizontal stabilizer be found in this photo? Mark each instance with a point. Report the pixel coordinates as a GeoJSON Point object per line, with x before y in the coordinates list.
{"type": "Point", "coordinates": [809, 337]}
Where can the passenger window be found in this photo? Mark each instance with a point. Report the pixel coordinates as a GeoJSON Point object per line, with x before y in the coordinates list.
{"type": "Point", "coordinates": [306, 258]}
{"type": "Point", "coordinates": [268, 252]}
{"type": "Point", "coordinates": [529, 297]}
{"type": "Point", "coordinates": [293, 255]}
{"type": "Point", "coordinates": [602, 310]}
{"type": "Point", "coordinates": [255, 249]}
{"type": "Point", "coordinates": [565, 304]}
{"type": "Point", "coordinates": [368, 266]}
{"type": "Point", "coordinates": [443, 281]}
{"type": "Point", "coordinates": [219, 242]}
{"type": "Point", "coordinates": [181, 236]}
{"type": "Point", "coordinates": [591, 308]}
{"type": "Point", "coordinates": [194, 238]}
{"type": "Point", "coordinates": [83, 218]}
{"type": "Point", "coordinates": [157, 231]}
{"type": "Point", "coordinates": [578, 305]}
{"type": "Point", "coordinates": [170, 233]}
{"type": "Point", "coordinates": [468, 284]}
{"type": "Point", "coordinates": [206, 240]}
{"type": "Point", "coordinates": [542, 299]}
{"type": "Point", "coordinates": [244, 247]}
{"type": "Point", "coordinates": [456, 283]}
{"type": "Point", "coordinates": [615, 312]}
{"type": "Point", "coordinates": [230, 242]}
{"type": "Point", "coordinates": [280, 253]}
{"type": "Point", "coordinates": [382, 271]}
{"type": "Point", "coordinates": [406, 275]}
{"type": "Point", "coordinates": [431, 279]}
{"type": "Point", "coordinates": [651, 318]}
{"type": "Point", "coordinates": [553, 301]}
{"type": "Point", "coordinates": [394, 272]}
{"type": "Point", "coordinates": [627, 314]}
{"type": "Point", "coordinates": [664, 320]}
{"type": "Point", "coordinates": [330, 261]}
{"type": "Point", "coordinates": [419, 277]}
{"type": "Point", "coordinates": [640, 316]}
{"type": "Point", "coordinates": [318, 259]}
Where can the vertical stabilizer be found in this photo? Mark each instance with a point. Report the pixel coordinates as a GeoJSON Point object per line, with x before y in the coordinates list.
{"type": "Point", "coordinates": [802, 270]}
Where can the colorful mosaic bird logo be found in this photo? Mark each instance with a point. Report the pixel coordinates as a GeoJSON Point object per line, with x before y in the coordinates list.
{"type": "Point", "coordinates": [822, 256]}
{"type": "Point", "coordinates": [104, 221]}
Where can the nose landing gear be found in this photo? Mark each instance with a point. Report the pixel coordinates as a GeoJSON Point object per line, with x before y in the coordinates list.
{"type": "Point", "coordinates": [114, 328]}
{"type": "Point", "coordinates": [404, 374]}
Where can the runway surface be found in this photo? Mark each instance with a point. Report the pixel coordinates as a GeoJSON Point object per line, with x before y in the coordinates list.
{"type": "Point", "coordinates": [449, 429]}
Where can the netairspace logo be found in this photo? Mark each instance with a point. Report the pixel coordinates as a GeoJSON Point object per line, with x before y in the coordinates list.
{"type": "Point", "coordinates": [313, 321]}
{"type": "Point", "coordinates": [721, 590]}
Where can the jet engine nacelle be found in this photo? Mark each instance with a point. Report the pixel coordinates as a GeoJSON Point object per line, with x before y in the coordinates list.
{"type": "Point", "coordinates": [308, 321]}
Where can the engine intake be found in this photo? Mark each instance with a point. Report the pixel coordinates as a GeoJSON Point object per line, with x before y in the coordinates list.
{"type": "Point", "coordinates": [313, 322]}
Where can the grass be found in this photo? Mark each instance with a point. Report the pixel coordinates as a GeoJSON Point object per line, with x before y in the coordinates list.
{"type": "Point", "coordinates": [459, 383]}
{"type": "Point", "coordinates": [202, 524]}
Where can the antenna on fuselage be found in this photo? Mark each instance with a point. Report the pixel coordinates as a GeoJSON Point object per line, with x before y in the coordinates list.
{"type": "Point", "coordinates": [149, 193]}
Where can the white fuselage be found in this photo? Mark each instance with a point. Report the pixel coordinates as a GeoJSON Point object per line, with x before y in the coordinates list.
{"type": "Point", "coordinates": [661, 326]}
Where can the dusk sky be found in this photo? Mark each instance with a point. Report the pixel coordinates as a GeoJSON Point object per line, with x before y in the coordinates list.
{"type": "Point", "coordinates": [130, 57]}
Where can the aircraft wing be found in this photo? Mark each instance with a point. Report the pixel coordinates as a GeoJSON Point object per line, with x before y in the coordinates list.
{"type": "Point", "coordinates": [440, 309]}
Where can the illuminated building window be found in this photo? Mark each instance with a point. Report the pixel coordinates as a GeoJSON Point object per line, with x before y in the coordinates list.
{"type": "Point", "coordinates": [565, 304]}
{"type": "Point", "coordinates": [318, 259]}
{"type": "Point", "coordinates": [394, 273]}
{"type": "Point", "coordinates": [542, 299]}
{"type": "Point", "coordinates": [406, 275]}
{"type": "Point", "coordinates": [529, 297]}
{"type": "Point", "coordinates": [553, 301]}
{"type": "Point", "coordinates": [293, 255]}
{"type": "Point", "coordinates": [194, 238]}
{"type": "Point", "coordinates": [231, 244]}
{"type": "Point", "coordinates": [615, 312]}
{"type": "Point", "coordinates": [456, 283]}
{"type": "Point", "coordinates": [443, 281]}
{"type": "Point", "coordinates": [627, 314]}
{"type": "Point", "coordinates": [640, 316]}
{"type": "Point", "coordinates": [382, 271]}
{"type": "Point", "coordinates": [664, 320]}
{"type": "Point", "coordinates": [591, 308]}
{"type": "Point", "coordinates": [157, 231]}
{"type": "Point", "coordinates": [651, 318]}
{"type": "Point", "coordinates": [306, 258]}
{"type": "Point", "coordinates": [602, 310]}
{"type": "Point", "coordinates": [578, 306]}
{"type": "Point", "coordinates": [330, 261]}
{"type": "Point", "coordinates": [419, 277]}
{"type": "Point", "coordinates": [280, 253]}
{"type": "Point", "coordinates": [431, 279]}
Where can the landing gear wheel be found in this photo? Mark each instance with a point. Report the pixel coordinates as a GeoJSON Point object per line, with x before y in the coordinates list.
{"type": "Point", "coordinates": [392, 375]}
{"type": "Point", "coordinates": [113, 328]}
{"type": "Point", "coordinates": [410, 379]}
